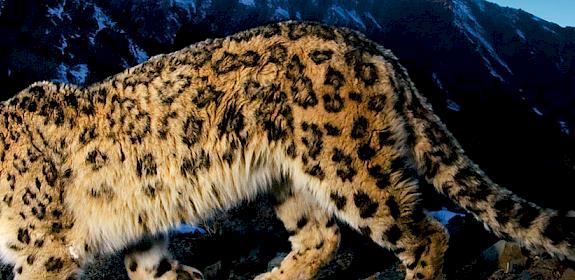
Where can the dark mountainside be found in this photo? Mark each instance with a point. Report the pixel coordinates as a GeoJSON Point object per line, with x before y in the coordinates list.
{"type": "Point", "coordinates": [501, 79]}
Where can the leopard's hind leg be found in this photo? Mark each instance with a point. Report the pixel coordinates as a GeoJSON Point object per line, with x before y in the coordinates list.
{"type": "Point", "coordinates": [383, 203]}
{"type": "Point", "coordinates": [314, 235]}
{"type": "Point", "coordinates": [386, 208]}
{"type": "Point", "coordinates": [150, 259]}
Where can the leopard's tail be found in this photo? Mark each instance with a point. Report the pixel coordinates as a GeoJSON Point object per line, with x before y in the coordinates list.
{"type": "Point", "coordinates": [440, 159]}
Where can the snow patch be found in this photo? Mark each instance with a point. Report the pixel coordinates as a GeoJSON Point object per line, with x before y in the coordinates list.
{"type": "Point", "coordinates": [138, 52]}
{"type": "Point", "coordinates": [437, 81]}
{"type": "Point", "coordinates": [492, 70]}
{"type": "Point", "coordinates": [56, 11]}
{"type": "Point", "coordinates": [185, 228]}
{"type": "Point", "coordinates": [467, 21]}
{"type": "Point", "coordinates": [564, 127]}
{"type": "Point", "coordinates": [353, 14]}
{"type": "Point", "coordinates": [102, 19]}
{"type": "Point", "coordinates": [339, 10]}
{"type": "Point", "coordinates": [186, 4]}
{"type": "Point", "coordinates": [75, 75]}
{"type": "Point", "coordinates": [537, 111]}
{"type": "Point", "coordinates": [520, 34]}
{"type": "Point", "coordinates": [345, 14]}
{"type": "Point", "coordinates": [281, 13]}
{"type": "Point", "coordinates": [61, 74]}
{"type": "Point", "coordinates": [451, 105]}
{"type": "Point", "coordinates": [125, 63]}
{"type": "Point", "coordinates": [444, 215]}
{"type": "Point", "coordinates": [63, 44]}
{"type": "Point", "coordinates": [250, 3]}
{"type": "Point", "coordinates": [494, 73]}
{"type": "Point", "coordinates": [79, 72]}
{"type": "Point", "coordinates": [544, 24]}
{"type": "Point", "coordinates": [372, 18]}
{"type": "Point", "coordinates": [549, 29]}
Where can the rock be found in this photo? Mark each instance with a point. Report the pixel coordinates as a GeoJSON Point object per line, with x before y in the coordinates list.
{"type": "Point", "coordinates": [275, 262]}
{"type": "Point", "coordinates": [569, 274]}
{"type": "Point", "coordinates": [508, 256]}
{"type": "Point", "coordinates": [545, 267]}
{"type": "Point", "coordinates": [212, 271]}
{"type": "Point", "coordinates": [6, 271]}
{"type": "Point", "coordinates": [537, 267]}
{"type": "Point", "coordinates": [525, 275]}
{"type": "Point", "coordinates": [467, 240]}
{"type": "Point", "coordinates": [333, 269]}
{"type": "Point", "coordinates": [394, 272]}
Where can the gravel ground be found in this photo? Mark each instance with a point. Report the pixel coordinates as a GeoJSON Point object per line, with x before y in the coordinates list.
{"type": "Point", "coordinates": [249, 240]}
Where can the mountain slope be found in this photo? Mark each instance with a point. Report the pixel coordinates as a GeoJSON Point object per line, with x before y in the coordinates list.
{"type": "Point", "coordinates": [502, 79]}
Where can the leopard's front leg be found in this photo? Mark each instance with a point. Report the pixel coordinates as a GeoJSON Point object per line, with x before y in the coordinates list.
{"type": "Point", "coordinates": [314, 236]}
{"type": "Point", "coordinates": [150, 259]}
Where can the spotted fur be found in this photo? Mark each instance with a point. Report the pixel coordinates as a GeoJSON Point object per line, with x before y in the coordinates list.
{"type": "Point", "coordinates": [325, 112]}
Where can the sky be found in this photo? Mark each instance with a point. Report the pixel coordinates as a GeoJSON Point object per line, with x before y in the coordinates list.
{"type": "Point", "coordinates": [561, 12]}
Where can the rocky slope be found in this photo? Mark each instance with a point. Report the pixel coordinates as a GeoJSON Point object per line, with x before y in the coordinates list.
{"type": "Point", "coordinates": [250, 240]}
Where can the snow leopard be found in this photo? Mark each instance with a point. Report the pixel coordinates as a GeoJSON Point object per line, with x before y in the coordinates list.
{"type": "Point", "coordinates": [321, 118]}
